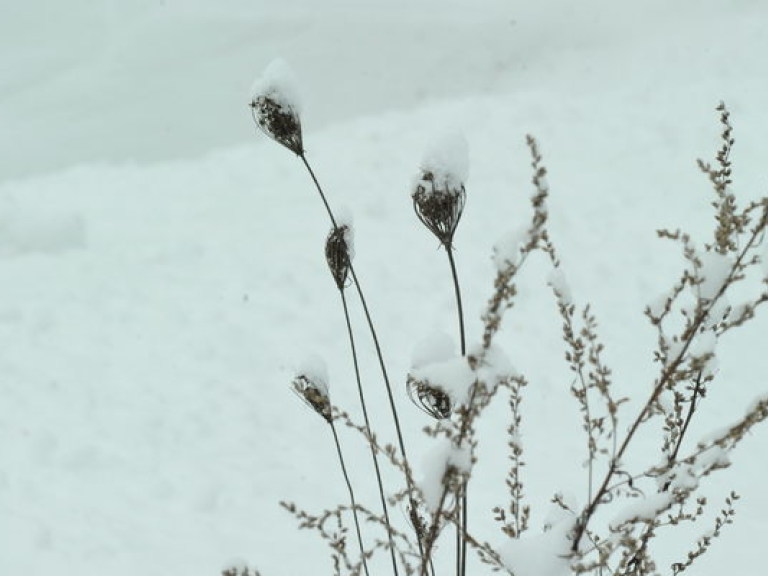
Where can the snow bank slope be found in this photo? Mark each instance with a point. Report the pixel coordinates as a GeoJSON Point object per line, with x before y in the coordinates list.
{"type": "Point", "coordinates": [155, 80]}
{"type": "Point", "coordinates": [151, 315]}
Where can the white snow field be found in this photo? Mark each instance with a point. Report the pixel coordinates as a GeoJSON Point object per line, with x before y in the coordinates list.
{"type": "Point", "coordinates": [162, 270]}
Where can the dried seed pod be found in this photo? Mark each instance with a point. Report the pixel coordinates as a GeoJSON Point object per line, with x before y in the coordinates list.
{"type": "Point", "coordinates": [275, 106]}
{"type": "Point", "coordinates": [314, 392]}
{"type": "Point", "coordinates": [338, 253]}
{"type": "Point", "coordinates": [439, 205]}
{"type": "Point", "coordinates": [438, 193]}
{"type": "Point", "coordinates": [429, 398]}
{"type": "Point", "coordinates": [279, 121]}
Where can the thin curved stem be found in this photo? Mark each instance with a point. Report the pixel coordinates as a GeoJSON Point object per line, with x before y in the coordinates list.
{"type": "Point", "coordinates": [464, 428]}
{"type": "Point", "coordinates": [368, 431]}
{"type": "Point", "coordinates": [464, 526]}
{"type": "Point", "coordinates": [388, 386]}
{"type": "Point", "coordinates": [382, 365]}
{"type": "Point", "coordinates": [401, 443]}
{"type": "Point", "coordinates": [319, 189]}
{"type": "Point", "coordinates": [457, 290]}
{"type": "Point", "coordinates": [351, 496]}
{"type": "Point", "coordinates": [461, 543]}
{"type": "Point", "coordinates": [458, 543]}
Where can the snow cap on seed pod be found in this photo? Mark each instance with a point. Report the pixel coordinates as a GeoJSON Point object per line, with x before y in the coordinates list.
{"type": "Point", "coordinates": [439, 379]}
{"type": "Point", "coordinates": [275, 106]}
{"type": "Point", "coordinates": [438, 192]}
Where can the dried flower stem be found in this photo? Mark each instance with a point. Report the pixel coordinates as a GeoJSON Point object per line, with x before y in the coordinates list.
{"type": "Point", "coordinates": [501, 301]}
{"type": "Point", "coordinates": [382, 365]}
{"type": "Point", "coordinates": [457, 290]}
{"type": "Point", "coordinates": [461, 543]}
{"type": "Point", "coordinates": [364, 408]}
{"type": "Point", "coordinates": [697, 390]}
{"type": "Point", "coordinates": [395, 418]}
{"type": "Point", "coordinates": [319, 189]}
{"type": "Point", "coordinates": [351, 496]}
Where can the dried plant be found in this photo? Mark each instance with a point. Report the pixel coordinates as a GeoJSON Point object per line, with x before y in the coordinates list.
{"type": "Point", "coordinates": [274, 107]}
{"type": "Point", "coordinates": [514, 518]}
{"type": "Point", "coordinates": [685, 358]}
{"type": "Point", "coordinates": [645, 499]}
{"type": "Point", "coordinates": [439, 203]}
{"type": "Point", "coordinates": [314, 392]}
{"type": "Point", "coordinates": [312, 387]}
{"type": "Point", "coordinates": [438, 200]}
{"type": "Point", "coordinates": [429, 398]}
{"type": "Point", "coordinates": [287, 131]}
{"type": "Point", "coordinates": [278, 121]}
{"type": "Point", "coordinates": [338, 254]}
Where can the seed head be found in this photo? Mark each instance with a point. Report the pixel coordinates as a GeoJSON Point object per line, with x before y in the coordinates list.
{"type": "Point", "coordinates": [275, 106]}
{"type": "Point", "coordinates": [429, 398]}
{"type": "Point", "coordinates": [314, 392]}
{"type": "Point", "coordinates": [278, 121]}
{"type": "Point", "coordinates": [439, 205]}
{"type": "Point", "coordinates": [339, 252]}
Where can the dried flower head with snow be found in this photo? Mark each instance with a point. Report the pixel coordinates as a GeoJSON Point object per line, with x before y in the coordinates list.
{"type": "Point", "coordinates": [439, 194]}
{"type": "Point", "coordinates": [438, 380]}
{"type": "Point", "coordinates": [339, 251]}
{"type": "Point", "coordinates": [429, 398]}
{"type": "Point", "coordinates": [275, 106]}
{"type": "Point", "coordinates": [311, 384]}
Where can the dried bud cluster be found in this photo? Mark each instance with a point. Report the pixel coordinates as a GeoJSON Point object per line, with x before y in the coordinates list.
{"type": "Point", "coordinates": [439, 205]}
{"type": "Point", "coordinates": [429, 398]}
{"type": "Point", "coordinates": [315, 393]}
{"type": "Point", "coordinates": [279, 121]}
{"type": "Point", "coordinates": [337, 254]}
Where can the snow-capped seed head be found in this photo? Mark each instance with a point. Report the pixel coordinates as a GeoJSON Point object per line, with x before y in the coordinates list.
{"type": "Point", "coordinates": [312, 388]}
{"type": "Point", "coordinates": [439, 194]}
{"type": "Point", "coordinates": [275, 107]}
{"type": "Point", "coordinates": [429, 398]}
{"type": "Point", "coordinates": [339, 251]}
{"type": "Point", "coordinates": [439, 209]}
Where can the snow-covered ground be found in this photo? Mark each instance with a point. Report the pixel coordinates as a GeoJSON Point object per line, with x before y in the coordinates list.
{"type": "Point", "coordinates": [162, 266]}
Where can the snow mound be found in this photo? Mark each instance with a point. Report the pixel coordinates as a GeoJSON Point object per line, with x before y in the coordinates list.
{"type": "Point", "coordinates": [26, 231]}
